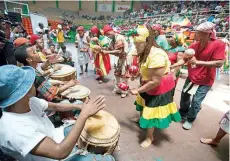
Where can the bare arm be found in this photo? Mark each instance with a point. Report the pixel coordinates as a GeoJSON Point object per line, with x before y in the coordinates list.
{"type": "Point", "coordinates": [50, 149]}
{"type": "Point", "coordinates": [68, 85]}
{"type": "Point", "coordinates": [178, 64]}
{"type": "Point", "coordinates": [156, 75]}
{"type": "Point", "coordinates": [113, 52]}
{"type": "Point", "coordinates": [211, 64]}
{"type": "Point", "coordinates": [61, 107]}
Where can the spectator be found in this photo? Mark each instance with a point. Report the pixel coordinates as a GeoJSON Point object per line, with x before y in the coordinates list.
{"type": "Point", "coordinates": [6, 50]}
{"type": "Point", "coordinates": [67, 55]}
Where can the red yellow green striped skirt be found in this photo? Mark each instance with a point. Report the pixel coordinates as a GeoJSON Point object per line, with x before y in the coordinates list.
{"type": "Point", "coordinates": [159, 110]}
{"type": "Point", "coordinates": [102, 64]}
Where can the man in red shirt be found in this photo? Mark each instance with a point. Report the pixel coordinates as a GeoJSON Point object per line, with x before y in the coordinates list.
{"type": "Point", "coordinates": [209, 55]}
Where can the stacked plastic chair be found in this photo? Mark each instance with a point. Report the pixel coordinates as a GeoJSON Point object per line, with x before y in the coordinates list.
{"type": "Point", "coordinates": [27, 24]}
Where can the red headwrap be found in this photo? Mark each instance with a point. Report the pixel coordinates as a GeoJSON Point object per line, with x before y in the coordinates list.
{"type": "Point", "coordinates": [80, 28]}
{"type": "Point", "coordinates": [33, 38]}
{"type": "Point", "coordinates": [107, 28]}
{"type": "Point", "coordinates": [157, 27]}
{"type": "Point", "coordinates": [94, 30]}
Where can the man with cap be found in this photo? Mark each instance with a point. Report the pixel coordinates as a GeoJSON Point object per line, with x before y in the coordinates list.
{"type": "Point", "coordinates": [121, 69]}
{"type": "Point", "coordinates": [209, 55]}
{"type": "Point", "coordinates": [26, 132]}
{"type": "Point", "coordinates": [82, 39]}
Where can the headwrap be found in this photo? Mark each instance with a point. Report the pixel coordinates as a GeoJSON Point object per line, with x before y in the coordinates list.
{"type": "Point", "coordinates": [140, 34]}
{"type": "Point", "coordinates": [104, 41]}
{"type": "Point", "coordinates": [207, 27]}
{"type": "Point", "coordinates": [59, 26]}
{"type": "Point", "coordinates": [80, 28]}
{"type": "Point", "coordinates": [157, 27]}
{"type": "Point", "coordinates": [94, 30]}
{"type": "Point", "coordinates": [107, 28]}
{"type": "Point", "coordinates": [20, 41]}
{"type": "Point", "coordinates": [179, 38]}
{"type": "Point", "coordinates": [33, 38]}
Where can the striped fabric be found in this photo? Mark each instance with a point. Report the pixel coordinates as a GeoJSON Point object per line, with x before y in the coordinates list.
{"type": "Point", "coordinates": [157, 111]}
{"type": "Point", "coordinates": [102, 64]}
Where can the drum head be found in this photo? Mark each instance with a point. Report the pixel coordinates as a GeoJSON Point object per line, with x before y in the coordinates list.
{"type": "Point", "coordinates": [77, 92]}
{"type": "Point", "coordinates": [101, 129]}
{"type": "Point", "coordinates": [65, 70]}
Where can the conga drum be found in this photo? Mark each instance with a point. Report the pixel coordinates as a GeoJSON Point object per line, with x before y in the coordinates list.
{"type": "Point", "coordinates": [66, 73]}
{"type": "Point", "coordinates": [100, 134]}
{"type": "Point", "coordinates": [77, 92]}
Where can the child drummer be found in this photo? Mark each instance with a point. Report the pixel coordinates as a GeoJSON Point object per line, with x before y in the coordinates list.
{"type": "Point", "coordinates": [119, 48]}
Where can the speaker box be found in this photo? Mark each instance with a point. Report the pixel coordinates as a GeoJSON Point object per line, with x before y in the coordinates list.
{"type": "Point", "coordinates": [14, 17]}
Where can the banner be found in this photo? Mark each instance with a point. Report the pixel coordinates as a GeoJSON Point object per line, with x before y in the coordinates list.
{"type": "Point", "coordinates": [180, 21]}
{"type": "Point", "coordinates": [104, 8]}
{"type": "Point", "coordinates": [122, 8]}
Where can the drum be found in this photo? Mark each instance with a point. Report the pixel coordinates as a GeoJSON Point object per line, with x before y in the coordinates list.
{"type": "Point", "coordinates": [76, 92]}
{"type": "Point", "coordinates": [66, 73]}
{"type": "Point", "coordinates": [100, 134]}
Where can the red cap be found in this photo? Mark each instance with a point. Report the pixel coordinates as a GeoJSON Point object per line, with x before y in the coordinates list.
{"type": "Point", "coordinates": [20, 41]}
{"type": "Point", "coordinates": [157, 27]}
{"type": "Point", "coordinates": [107, 28]}
{"type": "Point", "coordinates": [94, 30]}
{"type": "Point", "coordinates": [80, 28]}
{"type": "Point", "coordinates": [33, 38]}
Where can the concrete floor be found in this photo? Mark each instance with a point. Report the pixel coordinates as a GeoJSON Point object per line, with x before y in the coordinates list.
{"type": "Point", "coordinates": [172, 144]}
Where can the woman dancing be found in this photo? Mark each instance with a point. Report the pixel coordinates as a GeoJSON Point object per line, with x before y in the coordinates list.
{"type": "Point", "coordinates": [154, 99]}
{"type": "Point", "coordinates": [101, 60]}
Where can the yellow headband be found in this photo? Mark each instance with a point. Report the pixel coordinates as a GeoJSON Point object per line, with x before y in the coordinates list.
{"type": "Point", "coordinates": [143, 33]}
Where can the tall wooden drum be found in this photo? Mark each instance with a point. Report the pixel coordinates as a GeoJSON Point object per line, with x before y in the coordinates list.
{"type": "Point", "coordinates": [100, 134]}
{"type": "Point", "coordinates": [66, 73]}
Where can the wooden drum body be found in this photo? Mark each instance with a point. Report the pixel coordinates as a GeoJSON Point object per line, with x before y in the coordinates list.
{"type": "Point", "coordinates": [100, 134]}
{"type": "Point", "coordinates": [66, 73]}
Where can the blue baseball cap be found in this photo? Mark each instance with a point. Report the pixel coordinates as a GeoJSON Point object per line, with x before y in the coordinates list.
{"type": "Point", "coordinates": [15, 83]}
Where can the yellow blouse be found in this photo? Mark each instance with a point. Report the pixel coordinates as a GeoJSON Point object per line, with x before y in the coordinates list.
{"type": "Point", "coordinates": [156, 59]}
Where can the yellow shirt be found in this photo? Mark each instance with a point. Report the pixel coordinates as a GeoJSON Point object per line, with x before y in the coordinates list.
{"type": "Point", "coordinates": [60, 36]}
{"type": "Point", "coordinates": [156, 59]}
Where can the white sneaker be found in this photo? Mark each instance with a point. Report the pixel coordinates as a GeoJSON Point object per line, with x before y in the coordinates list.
{"type": "Point", "coordinates": [187, 125]}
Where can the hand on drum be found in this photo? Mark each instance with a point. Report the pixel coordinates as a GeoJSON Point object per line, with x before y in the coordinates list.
{"type": "Point", "coordinates": [53, 57]}
{"type": "Point", "coordinates": [56, 68]}
{"type": "Point", "coordinates": [73, 83]}
{"type": "Point", "coordinates": [91, 108]}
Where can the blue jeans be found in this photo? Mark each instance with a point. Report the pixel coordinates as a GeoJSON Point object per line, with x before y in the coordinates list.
{"type": "Point", "coordinates": [88, 157]}
{"type": "Point", "coordinates": [190, 109]}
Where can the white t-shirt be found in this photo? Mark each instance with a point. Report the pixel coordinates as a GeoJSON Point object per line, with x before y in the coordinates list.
{"type": "Point", "coordinates": [20, 133]}
{"type": "Point", "coordinates": [66, 55]}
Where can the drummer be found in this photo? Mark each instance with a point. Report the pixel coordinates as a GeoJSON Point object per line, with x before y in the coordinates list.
{"type": "Point", "coordinates": [26, 132]}
{"type": "Point", "coordinates": [51, 50]}
{"type": "Point", "coordinates": [67, 56]}
{"type": "Point", "coordinates": [27, 56]}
